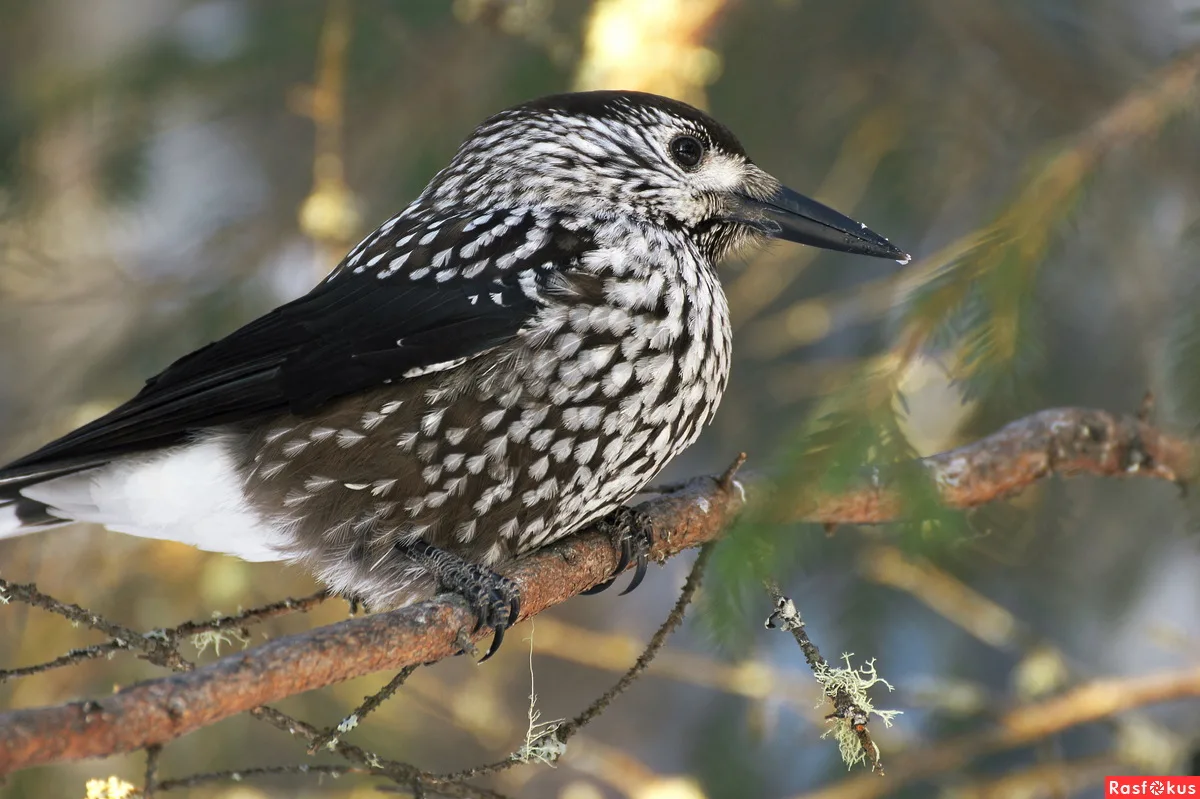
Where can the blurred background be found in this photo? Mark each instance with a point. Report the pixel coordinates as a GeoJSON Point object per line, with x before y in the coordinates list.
{"type": "Point", "coordinates": [171, 168]}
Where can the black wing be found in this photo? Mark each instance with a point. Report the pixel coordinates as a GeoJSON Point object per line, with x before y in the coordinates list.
{"type": "Point", "coordinates": [415, 294]}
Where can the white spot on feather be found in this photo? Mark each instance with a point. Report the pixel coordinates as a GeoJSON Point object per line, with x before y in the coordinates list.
{"type": "Point", "coordinates": [432, 421]}
{"type": "Point", "coordinates": [294, 447]}
{"type": "Point", "coordinates": [381, 487]}
{"type": "Point", "coordinates": [441, 366]}
{"type": "Point", "coordinates": [321, 433]}
{"type": "Point", "coordinates": [394, 266]}
{"type": "Point", "coordinates": [316, 483]}
{"type": "Point", "coordinates": [465, 531]}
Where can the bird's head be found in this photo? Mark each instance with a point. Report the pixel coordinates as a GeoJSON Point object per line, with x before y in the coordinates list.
{"type": "Point", "coordinates": [612, 153]}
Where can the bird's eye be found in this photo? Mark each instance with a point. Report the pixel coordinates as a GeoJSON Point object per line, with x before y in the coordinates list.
{"type": "Point", "coordinates": [687, 151]}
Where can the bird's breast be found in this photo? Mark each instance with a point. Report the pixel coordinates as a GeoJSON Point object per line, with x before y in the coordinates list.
{"type": "Point", "coordinates": [634, 369]}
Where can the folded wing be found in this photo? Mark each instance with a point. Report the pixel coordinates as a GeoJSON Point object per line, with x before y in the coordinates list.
{"type": "Point", "coordinates": [413, 296]}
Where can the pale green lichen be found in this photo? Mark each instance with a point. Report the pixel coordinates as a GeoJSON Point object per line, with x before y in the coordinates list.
{"type": "Point", "coordinates": [854, 683]}
{"type": "Point", "coordinates": [215, 638]}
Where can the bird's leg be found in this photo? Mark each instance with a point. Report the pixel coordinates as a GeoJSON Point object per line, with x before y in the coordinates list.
{"type": "Point", "coordinates": [356, 603]}
{"type": "Point", "coordinates": [495, 599]}
{"type": "Point", "coordinates": [632, 534]}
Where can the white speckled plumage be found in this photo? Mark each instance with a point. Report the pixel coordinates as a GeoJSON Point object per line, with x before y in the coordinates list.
{"type": "Point", "coordinates": [515, 354]}
{"type": "Point", "coordinates": [619, 368]}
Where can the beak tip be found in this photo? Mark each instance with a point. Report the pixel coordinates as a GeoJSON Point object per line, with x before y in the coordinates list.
{"type": "Point", "coordinates": [898, 255]}
{"type": "Point", "coordinates": [884, 248]}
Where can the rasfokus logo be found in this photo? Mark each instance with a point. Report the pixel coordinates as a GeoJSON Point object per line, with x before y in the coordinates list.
{"type": "Point", "coordinates": [1151, 786]}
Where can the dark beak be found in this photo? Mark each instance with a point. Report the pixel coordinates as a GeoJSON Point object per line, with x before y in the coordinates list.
{"type": "Point", "coordinates": [793, 217]}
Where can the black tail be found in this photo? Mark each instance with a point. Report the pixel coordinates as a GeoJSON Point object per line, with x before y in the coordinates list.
{"type": "Point", "coordinates": [19, 514]}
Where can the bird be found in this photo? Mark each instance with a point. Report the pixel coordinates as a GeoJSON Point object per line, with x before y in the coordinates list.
{"type": "Point", "coordinates": [508, 360]}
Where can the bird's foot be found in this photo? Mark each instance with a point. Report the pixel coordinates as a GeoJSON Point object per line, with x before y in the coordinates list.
{"type": "Point", "coordinates": [494, 599]}
{"type": "Point", "coordinates": [632, 534]}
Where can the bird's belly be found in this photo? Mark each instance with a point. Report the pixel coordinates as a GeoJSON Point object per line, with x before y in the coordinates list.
{"type": "Point", "coordinates": [490, 462]}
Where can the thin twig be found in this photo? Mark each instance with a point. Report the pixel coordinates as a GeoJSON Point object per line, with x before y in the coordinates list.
{"type": "Point", "coordinates": [154, 649]}
{"type": "Point", "coordinates": [726, 480]}
{"type": "Point", "coordinates": [611, 651]}
{"type": "Point", "coordinates": [369, 705]}
{"type": "Point", "coordinates": [845, 708]}
{"type": "Point", "coordinates": [330, 213]}
{"type": "Point", "coordinates": [67, 659]}
{"type": "Point", "coordinates": [151, 778]}
{"type": "Point", "coordinates": [669, 625]}
{"type": "Point", "coordinates": [239, 775]}
{"type": "Point", "coordinates": [402, 773]}
{"type": "Point", "coordinates": [246, 618]}
{"type": "Point", "coordinates": [166, 640]}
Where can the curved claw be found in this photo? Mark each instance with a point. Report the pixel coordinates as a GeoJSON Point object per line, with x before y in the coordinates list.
{"type": "Point", "coordinates": [622, 564]}
{"type": "Point", "coordinates": [632, 534]}
{"type": "Point", "coordinates": [639, 573]}
{"type": "Point", "coordinates": [626, 554]}
{"type": "Point", "coordinates": [514, 609]}
{"type": "Point", "coordinates": [501, 614]}
{"type": "Point", "coordinates": [497, 639]}
{"type": "Point", "coordinates": [599, 588]}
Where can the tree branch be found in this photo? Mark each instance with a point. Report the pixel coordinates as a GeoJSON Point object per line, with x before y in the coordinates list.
{"type": "Point", "coordinates": [1062, 441]}
{"type": "Point", "coordinates": [1066, 441]}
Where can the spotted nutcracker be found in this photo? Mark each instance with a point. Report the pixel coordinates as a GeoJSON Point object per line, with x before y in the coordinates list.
{"type": "Point", "coordinates": [510, 358]}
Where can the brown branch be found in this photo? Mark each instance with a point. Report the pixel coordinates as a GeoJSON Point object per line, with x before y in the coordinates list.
{"type": "Point", "coordinates": [1061, 441]}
